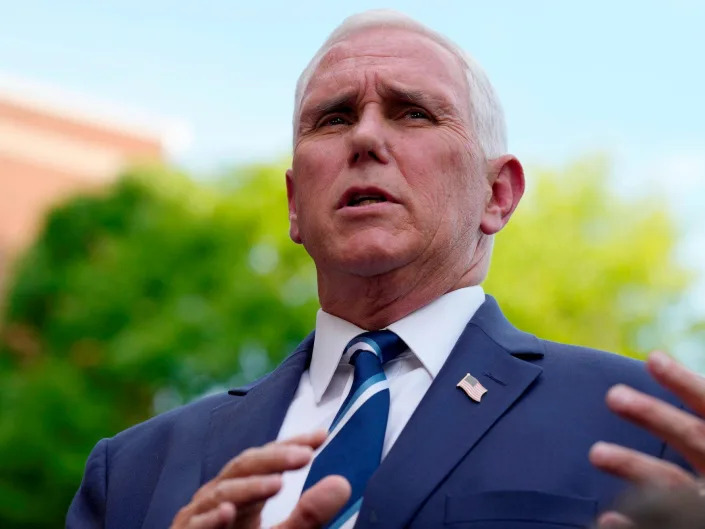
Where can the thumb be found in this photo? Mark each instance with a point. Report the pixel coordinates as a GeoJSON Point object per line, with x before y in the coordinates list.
{"type": "Point", "coordinates": [614, 520]}
{"type": "Point", "coordinates": [318, 504]}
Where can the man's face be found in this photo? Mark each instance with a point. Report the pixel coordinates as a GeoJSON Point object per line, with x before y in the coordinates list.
{"type": "Point", "coordinates": [385, 171]}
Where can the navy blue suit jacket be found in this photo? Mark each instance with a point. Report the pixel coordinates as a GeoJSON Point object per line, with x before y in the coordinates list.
{"type": "Point", "coordinates": [517, 459]}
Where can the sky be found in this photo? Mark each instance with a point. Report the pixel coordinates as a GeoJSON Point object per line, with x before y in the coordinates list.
{"type": "Point", "coordinates": [625, 79]}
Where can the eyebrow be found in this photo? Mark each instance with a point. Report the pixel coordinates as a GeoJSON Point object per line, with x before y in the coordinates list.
{"type": "Point", "coordinates": [420, 98]}
{"type": "Point", "coordinates": [346, 99]}
{"type": "Point", "coordinates": [416, 97]}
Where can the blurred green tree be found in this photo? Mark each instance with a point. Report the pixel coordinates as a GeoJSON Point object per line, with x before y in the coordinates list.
{"type": "Point", "coordinates": [131, 303]}
{"type": "Point", "coordinates": [162, 289]}
{"type": "Point", "coordinates": [578, 264]}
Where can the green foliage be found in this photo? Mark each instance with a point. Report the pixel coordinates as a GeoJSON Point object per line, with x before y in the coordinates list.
{"type": "Point", "coordinates": [161, 289]}
{"type": "Point", "coordinates": [133, 302]}
{"type": "Point", "coordinates": [579, 265]}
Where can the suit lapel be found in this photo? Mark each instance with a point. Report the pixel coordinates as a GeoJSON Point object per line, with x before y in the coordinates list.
{"type": "Point", "coordinates": [447, 424]}
{"type": "Point", "coordinates": [255, 414]}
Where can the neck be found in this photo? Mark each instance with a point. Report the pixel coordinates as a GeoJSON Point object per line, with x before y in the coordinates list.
{"type": "Point", "coordinates": [375, 302]}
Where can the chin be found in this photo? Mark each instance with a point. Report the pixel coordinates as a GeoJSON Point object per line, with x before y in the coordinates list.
{"type": "Point", "coordinates": [371, 257]}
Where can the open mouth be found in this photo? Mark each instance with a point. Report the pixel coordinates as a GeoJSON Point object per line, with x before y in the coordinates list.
{"type": "Point", "coordinates": [365, 200]}
{"type": "Point", "coordinates": [359, 197]}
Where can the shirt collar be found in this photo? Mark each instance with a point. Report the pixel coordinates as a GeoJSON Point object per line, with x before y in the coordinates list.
{"type": "Point", "coordinates": [430, 333]}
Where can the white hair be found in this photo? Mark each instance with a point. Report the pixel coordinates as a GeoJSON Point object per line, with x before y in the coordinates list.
{"type": "Point", "coordinates": [486, 115]}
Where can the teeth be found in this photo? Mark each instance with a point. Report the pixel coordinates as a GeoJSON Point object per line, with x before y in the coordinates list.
{"type": "Point", "coordinates": [366, 200]}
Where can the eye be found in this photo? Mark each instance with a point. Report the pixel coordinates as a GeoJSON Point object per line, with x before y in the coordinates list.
{"type": "Point", "coordinates": [333, 120]}
{"type": "Point", "coordinates": [416, 113]}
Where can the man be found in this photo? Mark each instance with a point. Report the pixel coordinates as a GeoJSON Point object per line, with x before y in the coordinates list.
{"type": "Point", "coordinates": [399, 180]}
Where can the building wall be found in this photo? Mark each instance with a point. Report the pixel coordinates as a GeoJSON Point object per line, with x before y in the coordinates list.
{"type": "Point", "coordinates": [48, 153]}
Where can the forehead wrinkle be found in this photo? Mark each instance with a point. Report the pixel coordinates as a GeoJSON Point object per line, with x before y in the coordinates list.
{"type": "Point", "coordinates": [348, 50]}
{"type": "Point", "coordinates": [332, 58]}
{"type": "Point", "coordinates": [348, 47]}
{"type": "Point", "coordinates": [327, 98]}
{"type": "Point", "coordinates": [342, 60]}
{"type": "Point", "coordinates": [330, 89]}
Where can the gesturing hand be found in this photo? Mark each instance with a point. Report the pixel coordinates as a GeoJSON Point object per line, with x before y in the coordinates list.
{"type": "Point", "coordinates": [683, 431]}
{"type": "Point", "coordinates": [235, 497]}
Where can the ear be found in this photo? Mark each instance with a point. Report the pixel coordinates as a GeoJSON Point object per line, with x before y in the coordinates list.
{"type": "Point", "coordinates": [506, 180]}
{"type": "Point", "coordinates": [291, 198]}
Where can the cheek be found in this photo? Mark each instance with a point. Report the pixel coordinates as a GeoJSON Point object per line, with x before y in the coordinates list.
{"type": "Point", "coordinates": [449, 187]}
{"type": "Point", "coordinates": [440, 173]}
{"type": "Point", "coordinates": [315, 167]}
{"type": "Point", "coordinates": [309, 161]}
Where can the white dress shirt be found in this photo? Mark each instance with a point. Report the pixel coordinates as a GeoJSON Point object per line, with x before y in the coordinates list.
{"type": "Point", "coordinates": [430, 334]}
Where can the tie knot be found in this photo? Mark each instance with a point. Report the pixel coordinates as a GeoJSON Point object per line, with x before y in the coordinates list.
{"type": "Point", "coordinates": [385, 345]}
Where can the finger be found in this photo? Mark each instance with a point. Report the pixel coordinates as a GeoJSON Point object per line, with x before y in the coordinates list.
{"type": "Point", "coordinates": [638, 468]}
{"type": "Point", "coordinates": [220, 517]}
{"type": "Point", "coordinates": [683, 431]}
{"type": "Point", "coordinates": [277, 456]}
{"type": "Point", "coordinates": [687, 385]}
{"type": "Point", "coordinates": [313, 439]}
{"type": "Point", "coordinates": [268, 459]}
{"type": "Point", "coordinates": [239, 491]}
{"type": "Point", "coordinates": [614, 520]}
{"type": "Point", "coordinates": [250, 516]}
{"type": "Point", "coordinates": [319, 504]}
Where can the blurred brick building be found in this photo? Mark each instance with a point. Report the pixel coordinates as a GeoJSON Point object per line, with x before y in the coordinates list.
{"type": "Point", "coordinates": [54, 145]}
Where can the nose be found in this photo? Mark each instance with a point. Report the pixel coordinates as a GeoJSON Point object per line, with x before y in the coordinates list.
{"type": "Point", "coordinates": [368, 138]}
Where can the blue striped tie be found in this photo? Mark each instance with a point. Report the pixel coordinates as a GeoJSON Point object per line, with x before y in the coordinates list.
{"type": "Point", "coordinates": [354, 445]}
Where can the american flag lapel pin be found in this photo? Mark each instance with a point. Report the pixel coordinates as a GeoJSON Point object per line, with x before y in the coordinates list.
{"type": "Point", "coordinates": [472, 387]}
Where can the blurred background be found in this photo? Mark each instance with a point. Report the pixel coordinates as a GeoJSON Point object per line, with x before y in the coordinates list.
{"type": "Point", "coordinates": [144, 256]}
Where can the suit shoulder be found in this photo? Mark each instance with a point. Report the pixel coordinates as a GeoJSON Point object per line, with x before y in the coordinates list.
{"type": "Point", "coordinates": [603, 367]}
{"type": "Point", "coordinates": [193, 416]}
{"type": "Point", "coordinates": [588, 356]}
